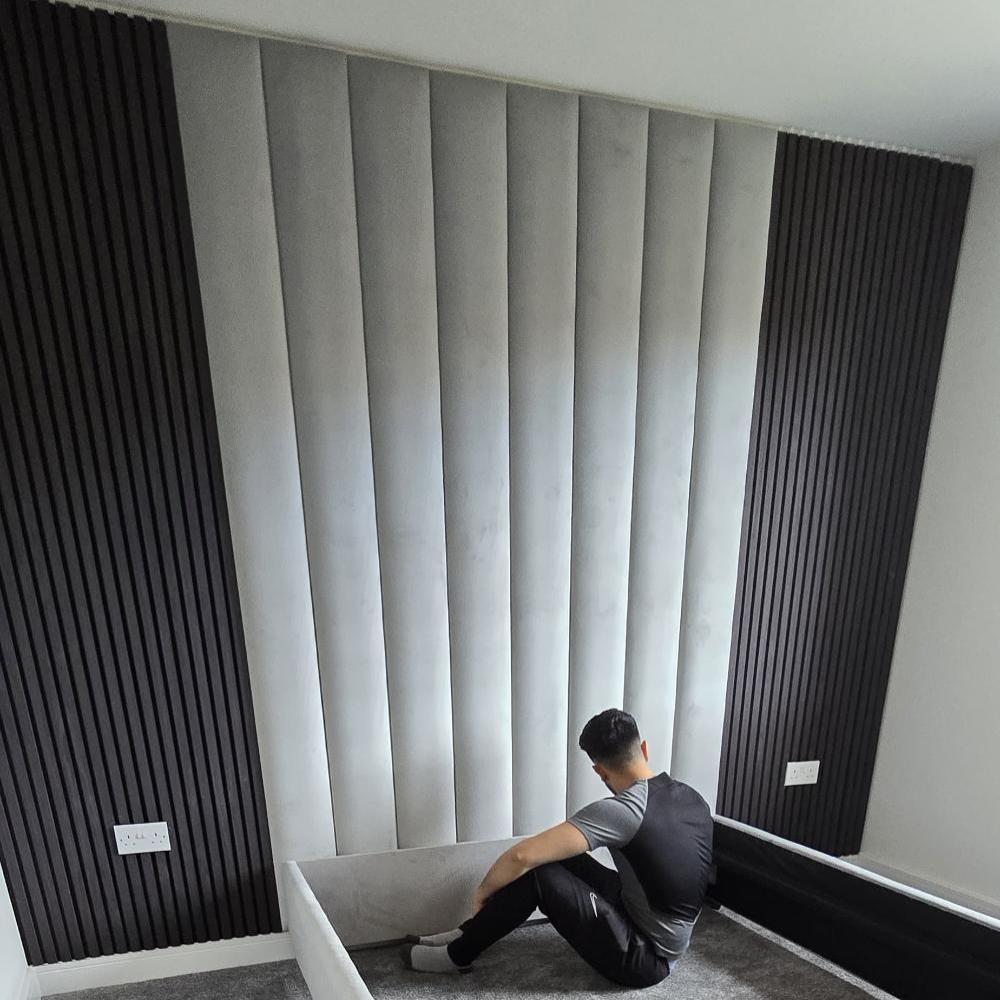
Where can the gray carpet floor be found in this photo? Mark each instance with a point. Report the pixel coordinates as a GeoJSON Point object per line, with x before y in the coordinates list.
{"type": "Point", "coordinates": [726, 962]}
{"type": "Point", "coordinates": [272, 981]}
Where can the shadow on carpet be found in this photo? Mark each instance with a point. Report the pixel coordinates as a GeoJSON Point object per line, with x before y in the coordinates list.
{"type": "Point", "coordinates": [725, 961]}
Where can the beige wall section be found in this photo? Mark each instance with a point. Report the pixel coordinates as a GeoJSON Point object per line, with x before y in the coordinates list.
{"type": "Point", "coordinates": [934, 809]}
{"type": "Point", "coordinates": [220, 104]}
{"type": "Point", "coordinates": [738, 220]}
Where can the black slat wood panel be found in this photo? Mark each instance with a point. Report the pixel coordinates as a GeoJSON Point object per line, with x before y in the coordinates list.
{"type": "Point", "coordinates": [863, 249]}
{"type": "Point", "coordinates": [124, 694]}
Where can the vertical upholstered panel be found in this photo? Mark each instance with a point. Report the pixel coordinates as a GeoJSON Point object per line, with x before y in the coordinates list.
{"type": "Point", "coordinates": [390, 117]}
{"type": "Point", "coordinates": [612, 179]}
{"type": "Point", "coordinates": [309, 129]}
{"type": "Point", "coordinates": [221, 110]}
{"type": "Point", "coordinates": [739, 213]}
{"type": "Point", "coordinates": [541, 236]}
{"type": "Point", "coordinates": [468, 133]}
{"type": "Point", "coordinates": [679, 169]}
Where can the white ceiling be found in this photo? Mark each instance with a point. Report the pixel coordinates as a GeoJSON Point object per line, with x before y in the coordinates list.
{"type": "Point", "coordinates": [923, 74]}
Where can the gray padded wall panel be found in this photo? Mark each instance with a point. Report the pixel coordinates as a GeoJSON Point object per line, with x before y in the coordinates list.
{"type": "Point", "coordinates": [611, 204]}
{"type": "Point", "coordinates": [738, 219]}
{"type": "Point", "coordinates": [495, 317]}
{"type": "Point", "coordinates": [542, 130]}
{"type": "Point", "coordinates": [468, 138]}
{"type": "Point", "coordinates": [309, 127]}
{"type": "Point", "coordinates": [390, 116]}
{"type": "Point", "coordinates": [679, 169]}
{"type": "Point", "coordinates": [220, 105]}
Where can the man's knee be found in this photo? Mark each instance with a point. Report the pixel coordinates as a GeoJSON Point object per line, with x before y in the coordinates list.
{"type": "Point", "coordinates": [550, 881]}
{"type": "Point", "coordinates": [549, 874]}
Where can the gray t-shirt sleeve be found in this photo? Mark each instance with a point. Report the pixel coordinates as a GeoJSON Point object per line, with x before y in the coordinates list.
{"type": "Point", "coordinates": [612, 822]}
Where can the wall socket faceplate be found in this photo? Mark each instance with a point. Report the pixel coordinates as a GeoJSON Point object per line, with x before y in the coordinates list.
{"type": "Point", "coordinates": [142, 838]}
{"type": "Point", "coordinates": [802, 772]}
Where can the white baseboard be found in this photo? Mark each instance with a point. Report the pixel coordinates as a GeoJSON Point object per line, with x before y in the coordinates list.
{"type": "Point", "coordinates": [28, 990]}
{"type": "Point", "coordinates": [160, 963]}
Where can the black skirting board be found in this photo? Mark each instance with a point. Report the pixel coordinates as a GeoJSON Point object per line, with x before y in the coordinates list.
{"type": "Point", "coordinates": [909, 947]}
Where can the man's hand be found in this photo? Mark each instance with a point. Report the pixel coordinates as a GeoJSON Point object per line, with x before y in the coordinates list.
{"type": "Point", "coordinates": [562, 841]}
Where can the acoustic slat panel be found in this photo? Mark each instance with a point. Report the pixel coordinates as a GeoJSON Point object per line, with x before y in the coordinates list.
{"type": "Point", "coordinates": [611, 203]}
{"type": "Point", "coordinates": [469, 143]}
{"type": "Point", "coordinates": [309, 133]}
{"type": "Point", "coordinates": [864, 245]}
{"type": "Point", "coordinates": [739, 210]}
{"type": "Point", "coordinates": [541, 235]}
{"type": "Point", "coordinates": [220, 102]}
{"type": "Point", "coordinates": [390, 116]}
{"type": "Point", "coordinates": [123, 689]}
{"type": "Point", "coordinates": [679, 169]}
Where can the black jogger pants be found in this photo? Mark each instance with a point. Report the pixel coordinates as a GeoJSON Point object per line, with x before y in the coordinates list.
{"type": "Point", "coordinates": [582, 899]}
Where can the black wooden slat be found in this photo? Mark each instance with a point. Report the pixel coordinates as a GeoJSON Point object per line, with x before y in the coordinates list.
{"type": "Point", "coordinates": [861, 263]}
{"type": "Point", "coordinates": [219, 549]}
{"type": "Point", "coordinates": [124, 694]}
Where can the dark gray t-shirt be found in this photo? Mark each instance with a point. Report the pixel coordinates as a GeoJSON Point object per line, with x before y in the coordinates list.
{"type": "Point", "coordinates": [659, 832]}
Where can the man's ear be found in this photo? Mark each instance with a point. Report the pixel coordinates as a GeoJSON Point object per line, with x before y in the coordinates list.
{"type": "Point", "coordinates": [600, 772]}
{"type": "Point", "coordinates": [645, 750]}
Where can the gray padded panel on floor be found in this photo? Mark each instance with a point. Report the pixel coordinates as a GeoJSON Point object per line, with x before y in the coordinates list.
{"type": "Point", "coordinates": [738, 220]}
{"type": "Point", "coordinates": [725, 961]}
{"type": "Point", "coordinates": [468, 138]}
{"type": "Point", "coordinates": [390, 116]}
{"type": "Point", "coordinates": [309, 127]}
{"type": "Point", "coordinates": [220, 105]}
{"type": "Point", "coordinates": [373, 898]}
{"type": "Point", "coordinates": [610, 214]}
{"type": "Point", "coordinates": [679, 170]}
{"type": "Point", "coordinates": [541, 189]}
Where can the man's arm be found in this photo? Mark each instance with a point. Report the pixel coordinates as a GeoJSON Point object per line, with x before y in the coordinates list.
{"type": "Point", "coordinates": [562, 841]}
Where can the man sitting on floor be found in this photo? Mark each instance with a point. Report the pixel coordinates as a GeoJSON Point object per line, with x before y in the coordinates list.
{"type": "Point", "coordinates": [631, 926]}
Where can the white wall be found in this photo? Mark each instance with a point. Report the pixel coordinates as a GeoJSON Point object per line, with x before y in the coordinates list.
{"type": "Point", "coordinates": [13, 968]}
{"type": "Point", "coordinates": [893, 71]}
{"type": "Point", "coordinates": [935, 801]}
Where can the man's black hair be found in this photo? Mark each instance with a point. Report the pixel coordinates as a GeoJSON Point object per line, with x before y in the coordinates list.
{"type": "Point", "coordinates": [610, 738]}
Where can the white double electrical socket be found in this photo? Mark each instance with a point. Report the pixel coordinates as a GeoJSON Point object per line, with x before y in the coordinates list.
{"type": "Point", "coordinates": [802, 772]}
{"type": "Point", "coordinates": [142, 838]}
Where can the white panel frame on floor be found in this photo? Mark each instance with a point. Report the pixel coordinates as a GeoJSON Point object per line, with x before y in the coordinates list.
{"type": "Point", "coordinates": [323, 960]}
